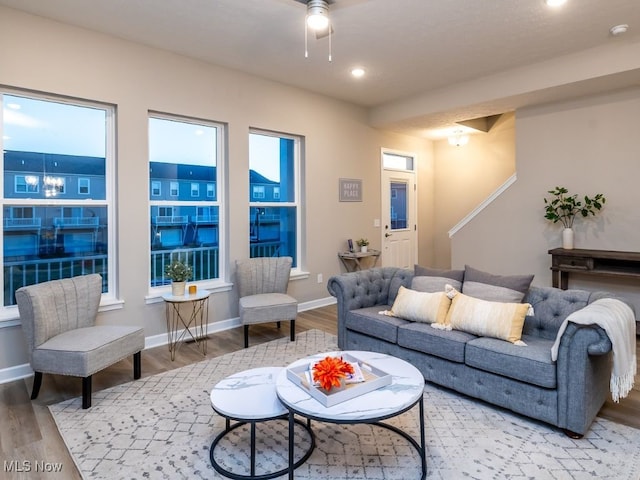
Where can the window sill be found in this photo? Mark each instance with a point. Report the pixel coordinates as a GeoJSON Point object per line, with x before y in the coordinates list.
{"type": "Point", "coordinates": [155, 296]}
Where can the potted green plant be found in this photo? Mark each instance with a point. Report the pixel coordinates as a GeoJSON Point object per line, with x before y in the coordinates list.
{"type": "Point", "coordinates": [362, 243]}
{"type": "Point", "coordinates": [178, 272]}
{"type": "Point", "coordinates": [563, 208]}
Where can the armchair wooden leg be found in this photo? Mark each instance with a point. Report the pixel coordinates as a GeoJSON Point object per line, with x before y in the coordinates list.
{"type": "Point", "coordinates": [137, 365]}
{"type": "Point", "coordinates": [278, 324]}
{"type": "Point", "coordinates": [293, 330]}
{"type": "Point", "coordinates": [86, 392]}
{"type": "Point", "coordinates": [246, 336]}
{"type": "Point", "coordinates": [37, 383]}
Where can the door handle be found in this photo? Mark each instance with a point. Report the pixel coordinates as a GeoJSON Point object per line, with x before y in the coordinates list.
{"type": "Point", "coordinates": [388, 235]}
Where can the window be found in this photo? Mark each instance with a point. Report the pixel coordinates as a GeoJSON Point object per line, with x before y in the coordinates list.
{"type": "Point", "coordinates": [83, 186]}
{"type": "Point", "coordinates": [274, 166]}
{"type": "Point", "coordinates": [155, 188]}
{"type": "Point", "coordinates": [26, 184]}
{"type": "Point", "coordinates": [184, 154]}
{"type": "Point", "coordinates": [51, 231]}
{"type": "Point", "coordinates": [53, 185]}
{"type": "Point", "coordinates": [258, 191]}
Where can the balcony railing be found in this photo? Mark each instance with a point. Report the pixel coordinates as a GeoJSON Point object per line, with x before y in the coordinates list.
{"type": "Point", "coordinates": [22, 222]}
{"type": "Point", "coordinates": [204, 262]}
{"type": "Point", "coordinates": [170, 220]}
{"type": "Point", "coordinates": [28, 272]}
{"type": "Point", "coordinates": [76, 221]}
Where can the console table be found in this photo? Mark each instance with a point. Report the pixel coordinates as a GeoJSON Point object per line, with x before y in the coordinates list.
{"type": "Point", "coordinates": [351, 260]}
{"type": "Point", "coordinates": [607, 263]}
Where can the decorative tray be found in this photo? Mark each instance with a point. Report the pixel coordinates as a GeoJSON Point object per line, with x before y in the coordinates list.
{"type": "Point", "coordinates": [371, 379]}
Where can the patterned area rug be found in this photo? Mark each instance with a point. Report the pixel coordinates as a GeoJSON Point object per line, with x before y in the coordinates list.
{"type": "Point", "coordinates": [161, 427]}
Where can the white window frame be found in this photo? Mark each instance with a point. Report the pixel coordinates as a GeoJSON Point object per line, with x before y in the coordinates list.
{"type": "Point", "coordinates": [195, 189]}
{"type": "Point", "coordinates": [35, 188]}
{"type": "Point", "coordinates": [109, 300]}
{"type": "Point", "coordinates": [174, 189]}
{"type": "Point", "coordinates": [211, 190]}
{"type": "Point", "coordinates": [214, 284]}
{"type": "Point", "coordinates": [156, 185]}
{"type": "Point", "coordinates": [81, 184]}
{"type": "Point", "coordinates": [299, 270]}
{"type": "Point", "coordinates": [258, 191]}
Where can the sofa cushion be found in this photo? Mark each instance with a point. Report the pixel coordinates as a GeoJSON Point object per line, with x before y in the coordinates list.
{"type": "Point", "coordinates": [370, 322]}
{"type": "Point", "coordinates": [495, 288]}
{"type": "Point", "coordinates": [489, 319]}
{"type": "Point", "coordinates": [420, 306]}
{"type": "Point", "coordinates": [447, 344]}
{"type": "Point", "coordinates": [434, 279]}
{"type": "Point", "coordinates": [531, 365]}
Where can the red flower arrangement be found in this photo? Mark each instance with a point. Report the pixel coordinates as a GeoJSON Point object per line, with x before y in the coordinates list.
{"type": "Point", "coordinates": [330, 370]}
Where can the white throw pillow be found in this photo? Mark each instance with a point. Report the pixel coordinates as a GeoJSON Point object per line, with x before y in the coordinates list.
{"type": "Point", "coordinates": [488, 319]}
{"type": "Point", "coordinates": [421, 306]}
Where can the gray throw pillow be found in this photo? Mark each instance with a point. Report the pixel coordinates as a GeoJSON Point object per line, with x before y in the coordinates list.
{"type": "Point", "coordinates": [434, 279]}
{"type": "Point", "coordinates": [495, 288]}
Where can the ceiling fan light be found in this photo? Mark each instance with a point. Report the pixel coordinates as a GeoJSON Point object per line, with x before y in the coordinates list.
{"type": "Point", "coordinates": [458, 139]}
{"type": "Point", "coordinates": [317, 14]}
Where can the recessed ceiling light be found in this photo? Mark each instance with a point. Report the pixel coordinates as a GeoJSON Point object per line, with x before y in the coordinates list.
{"type": "Point", "coordinates": [555, 3]}
{"type": "Point", "coordinates": [358, 72]}
{"type": "Point", "coordinates": [619, 29]}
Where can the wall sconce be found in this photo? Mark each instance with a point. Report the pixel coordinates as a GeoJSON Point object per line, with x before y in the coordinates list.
{"type": "Point", "coordinates": [458, 139]}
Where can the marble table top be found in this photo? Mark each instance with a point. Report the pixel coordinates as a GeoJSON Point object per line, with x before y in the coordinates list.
{"type": "Point", "coordinates": [406, 388]}
{"type": "Point", "coordinates": [248, 395]}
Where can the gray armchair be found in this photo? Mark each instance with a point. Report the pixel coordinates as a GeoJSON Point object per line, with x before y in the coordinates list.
{"type": "Point", "coordinates": [262, 286]}
{"type": "Point", "coordinates": [58, 321]}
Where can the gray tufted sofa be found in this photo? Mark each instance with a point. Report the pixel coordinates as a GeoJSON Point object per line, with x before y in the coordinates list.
{"type": "Point", "coordinates": [566, 393]}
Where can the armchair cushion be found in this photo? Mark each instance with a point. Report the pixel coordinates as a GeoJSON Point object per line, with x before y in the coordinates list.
{"type": "Point", "coordinates": [267, 307]}
{"type": "Point", "coordinates": [84, 351]}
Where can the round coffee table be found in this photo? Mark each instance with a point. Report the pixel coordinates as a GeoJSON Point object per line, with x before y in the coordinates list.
{"type": "Point", "coordinates": [404, 392]}
{"type": "Point", "coordinates": [250, 397]}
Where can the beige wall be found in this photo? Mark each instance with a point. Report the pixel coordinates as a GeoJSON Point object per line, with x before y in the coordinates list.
{"type": "Point", "coordinates": [50, 57]}
{"type": "Point", "coordinates": [467, 175]}
{"type": "Point", "coordinates": [589, 146]}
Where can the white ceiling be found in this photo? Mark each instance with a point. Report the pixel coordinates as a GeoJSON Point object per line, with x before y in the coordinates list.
{"type": "Point", "coordinates": [409, 48]}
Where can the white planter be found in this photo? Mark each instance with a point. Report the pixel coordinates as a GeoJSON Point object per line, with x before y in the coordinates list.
{"type": "Point", "coordinates": [363, 249]}
{"type": "Point", "coordinates": [567, 238]}
{"type": "Point", "coordinates": [177, 288]}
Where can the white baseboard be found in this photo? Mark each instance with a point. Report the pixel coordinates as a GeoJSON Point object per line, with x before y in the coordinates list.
{"type": "Point", "coordinates": [18, 372]}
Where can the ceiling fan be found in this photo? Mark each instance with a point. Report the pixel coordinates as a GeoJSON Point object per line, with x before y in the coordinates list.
{"type": "Point", "coordinates": [318, 20]}
{"type": "Point", "coordinates": [318, 14]}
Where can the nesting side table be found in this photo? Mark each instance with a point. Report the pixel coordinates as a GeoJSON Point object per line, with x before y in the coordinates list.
{"type": "Point", "coordinates": [250, 397]}
{"type": "Point", "coordinates": [190, 312]}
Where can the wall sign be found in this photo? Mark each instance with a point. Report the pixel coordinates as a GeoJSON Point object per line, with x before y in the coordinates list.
{"type": "Point", "coordinates": [350, 189]}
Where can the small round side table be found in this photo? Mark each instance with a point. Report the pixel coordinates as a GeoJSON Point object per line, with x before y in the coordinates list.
{"type": "Point", "coordinates": [198, 319]}
{"type": "Point", "coordinates": [250, 397]}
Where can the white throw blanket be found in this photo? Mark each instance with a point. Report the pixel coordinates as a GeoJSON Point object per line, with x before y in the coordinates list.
{"type": "Point", "coordinates": [617, 319]}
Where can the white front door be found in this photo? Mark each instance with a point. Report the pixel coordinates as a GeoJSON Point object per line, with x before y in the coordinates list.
{"type": "Point", "coordinates": [399, 224]}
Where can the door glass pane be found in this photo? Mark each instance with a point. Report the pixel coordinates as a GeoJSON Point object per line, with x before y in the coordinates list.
{"type": "Point", "coordinates": [398, 205]}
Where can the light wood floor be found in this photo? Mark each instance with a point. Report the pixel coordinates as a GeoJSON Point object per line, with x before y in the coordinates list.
{"type": "Point", "coordinates": [28, 432]}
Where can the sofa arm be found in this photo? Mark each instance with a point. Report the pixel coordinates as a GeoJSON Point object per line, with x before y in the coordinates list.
{"type": "Point", "coordinates": [583, 374]}
{"type": "Point", "coordinates": [366, 288]}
